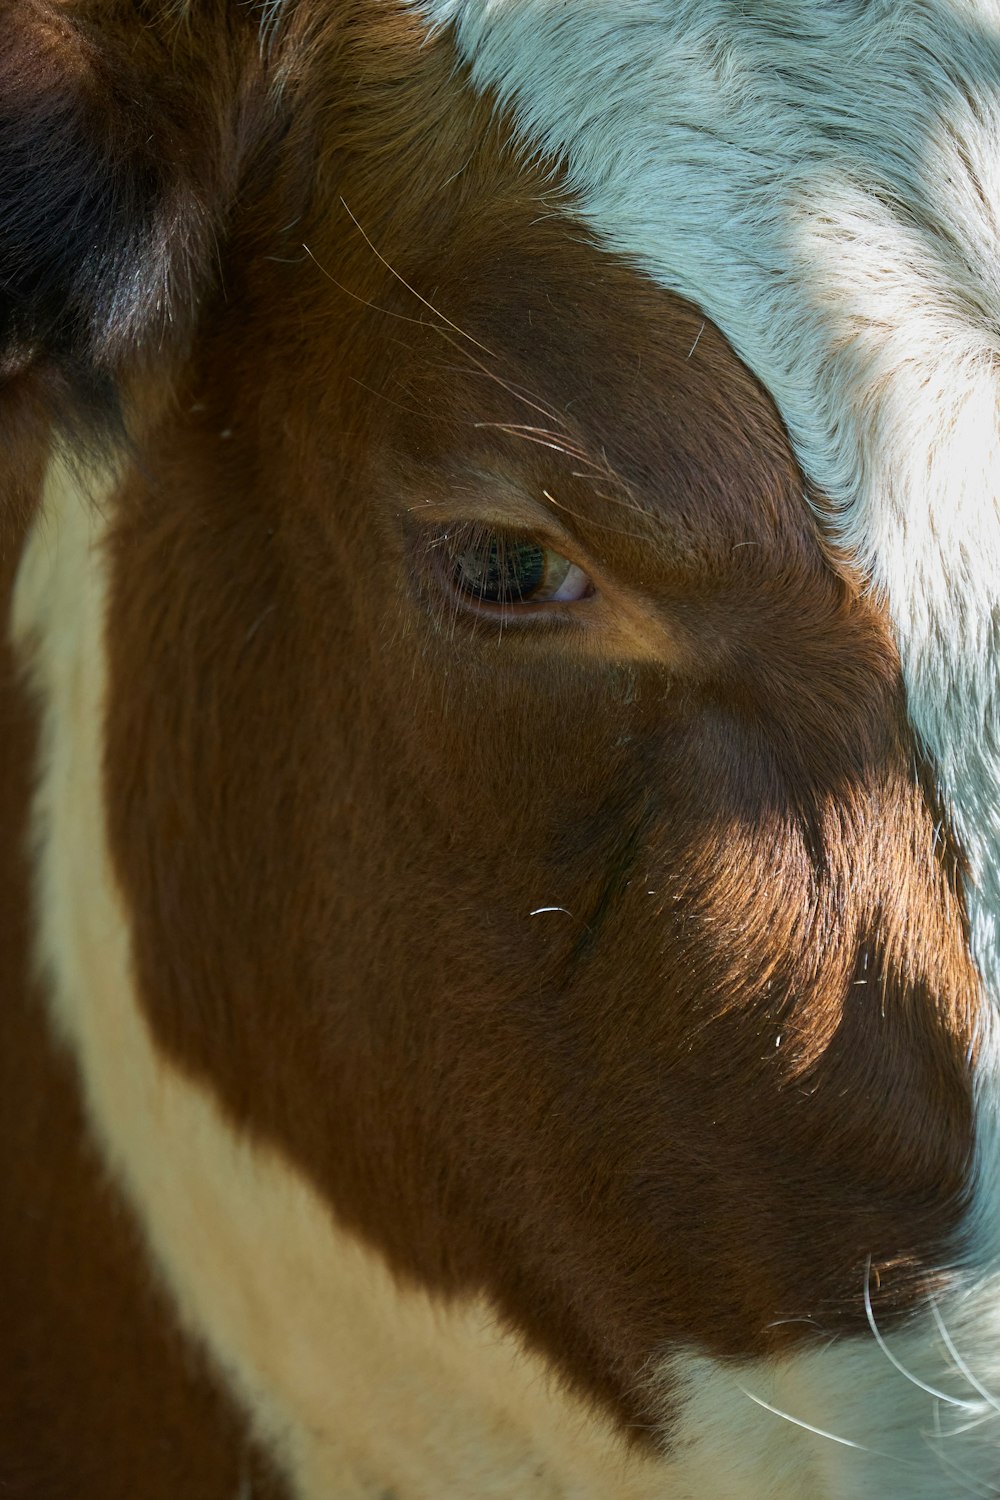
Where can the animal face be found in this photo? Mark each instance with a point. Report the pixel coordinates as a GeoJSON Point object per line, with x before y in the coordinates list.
{"type": "Point", "coordinates": [534, 660]}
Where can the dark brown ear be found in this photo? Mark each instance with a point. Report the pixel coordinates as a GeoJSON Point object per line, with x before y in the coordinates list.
{"type": "Point", "coordinates": [122, 127]}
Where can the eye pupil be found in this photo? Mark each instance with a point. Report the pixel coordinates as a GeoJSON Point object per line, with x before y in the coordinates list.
{"type": "Point", "coordinates": [500, 570]}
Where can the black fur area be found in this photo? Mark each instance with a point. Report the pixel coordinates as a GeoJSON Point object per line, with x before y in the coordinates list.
{"type": "Point", "coordinates": [106, 221]}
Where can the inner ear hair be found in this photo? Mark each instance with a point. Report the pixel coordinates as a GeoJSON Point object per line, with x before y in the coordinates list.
{"type": "Point", "coordinates": [122, 134]}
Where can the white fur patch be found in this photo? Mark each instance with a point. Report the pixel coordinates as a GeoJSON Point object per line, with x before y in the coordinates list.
{"type": "Point", "coordinates": [842, 1422]}
{"type": "Point", "coordinates": [363, 1387]}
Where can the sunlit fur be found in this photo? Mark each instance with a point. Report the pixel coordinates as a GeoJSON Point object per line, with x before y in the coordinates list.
{"type": "Point", "coordinates": [581, 1019]}
{"type": "Point", "coordinates": [352, 1379]}
{"type": "Point", "coordinates": [823, 181]}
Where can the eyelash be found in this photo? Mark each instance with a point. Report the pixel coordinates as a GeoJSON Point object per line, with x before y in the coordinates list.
{"type": "Point", "coordinates": [491, 569]}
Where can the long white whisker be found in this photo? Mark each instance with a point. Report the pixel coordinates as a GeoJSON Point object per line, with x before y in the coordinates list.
{"type": "Point", "coordinates": [630, 536]}
{"type": "Point", "coordinates": [972, 1485]}
{"type": "Point", "coordinates": [411, 411]}
{"type": "Point", "coordinates": [528, 437]}
{"type": "Point", "coordinates": [534, 434]}
{"type": "Point", "coordinates": [387, 312]}
{"type": "Point", "coordinates": [907, 1375]}
{"type": "Point", "coordinates": [413, 291]}
{"type": "Point", "coordinates": [534, 404]}
{"type": "Point", "coordinates": [960, 1363]}
{"type": "Point", "coordinates": [821, 1432]}
{"type": "Point", "coordinates": [543, 438]}
{"type": "Point", "coordinates": [520, 393]}
{"type": "Point", "coordinates": [548, 438]}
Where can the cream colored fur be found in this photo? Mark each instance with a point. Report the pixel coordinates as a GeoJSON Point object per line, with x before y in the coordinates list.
{"type": "Point", "coordinates": [362, 1387]}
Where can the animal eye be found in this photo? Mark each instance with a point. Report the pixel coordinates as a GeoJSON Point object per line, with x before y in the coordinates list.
{"type": "Point", "coordinates": [496, 567]}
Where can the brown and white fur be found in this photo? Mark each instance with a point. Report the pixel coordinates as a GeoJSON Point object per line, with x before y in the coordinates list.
{"type": "Point", "coordinates": [534, 1051]}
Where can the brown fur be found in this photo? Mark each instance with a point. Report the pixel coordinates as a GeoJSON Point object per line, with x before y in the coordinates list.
{"type": "Point", "coordinates": [688, 1108]}
{"type": "Point", "coordinates": [99, 1395]}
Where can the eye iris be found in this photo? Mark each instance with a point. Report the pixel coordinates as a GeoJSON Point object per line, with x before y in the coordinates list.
{"type": "Point", "coordinates": [501, 570]}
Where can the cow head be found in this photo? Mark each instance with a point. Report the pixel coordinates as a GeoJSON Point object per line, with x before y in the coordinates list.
{"type": "Point", "coordinates": [547, 698]}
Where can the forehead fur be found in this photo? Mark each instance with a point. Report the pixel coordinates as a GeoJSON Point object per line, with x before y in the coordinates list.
{"type": "Point", "coordinates": [816, 177]}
